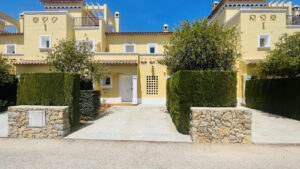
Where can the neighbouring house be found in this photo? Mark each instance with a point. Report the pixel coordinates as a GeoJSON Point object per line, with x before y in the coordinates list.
{"type": "Point", "coordinates": [260, 25]}
{"type": "Point", "coordinates": [132, 57]}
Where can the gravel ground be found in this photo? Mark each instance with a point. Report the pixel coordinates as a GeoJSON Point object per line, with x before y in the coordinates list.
{"type": "Point", "coordinates": [88, 154]}
{"type": "Point", "coordinates": [137, 123]}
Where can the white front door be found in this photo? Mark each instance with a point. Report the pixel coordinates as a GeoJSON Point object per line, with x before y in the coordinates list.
{"type": "Point", "coordinates": [126, 88]}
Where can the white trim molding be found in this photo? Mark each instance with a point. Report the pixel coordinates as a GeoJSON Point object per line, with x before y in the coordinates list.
{"type": "Point", "coordinates": [122, 53]}
{"type": "Point", "coordinates": [156, 101]}
{"type": "Point", "coordinates": [50, 41]}
{"type": "Point", "coordinates": [292, 26]}
{"type": "Point", "coordinates": [87, 40]}
{"type": "Point", "coordinates": [130, 44]}
{"type": "Point", "coordinates": [62, 12]}
{"type": "Point", "coordinates": [111, 100]}
{"type": "Point", "coordinates": [111, 82]}
{"type": "Point", "coordinates": [151, 45]}
{"type": "Point", "coordinates": [86, 27]}
{"type": "Point", "coordinates": [268, 42]}
{"type": "Point", "coordinates": [15, 45]}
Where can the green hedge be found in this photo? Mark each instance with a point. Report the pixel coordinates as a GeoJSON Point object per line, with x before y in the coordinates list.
{"type": "Point", "coordinates": [186, 89]}
{"type": "Point", "coordinates": [8, 96]}
{"type": "Point", "coordinates": [89, 104]}
{"type": "Point", "coordinates": [276, 96]}
{"type": "Point", "coordinates": [51, 89]}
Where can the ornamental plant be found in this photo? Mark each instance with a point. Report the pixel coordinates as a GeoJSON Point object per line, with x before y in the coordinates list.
{"type": "Point", "coordinates": [201, 45]}
{"type": "Point", "coordinates": [68, 56]}
{"type": "Point", "coordinates": [284, 60]}
{"type": "Point", "coordinates": [5, 68]}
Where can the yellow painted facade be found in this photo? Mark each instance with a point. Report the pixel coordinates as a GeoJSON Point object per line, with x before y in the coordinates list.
{"type": "Point", "coordinates": [131, 57]}
{"type": "Point", "coordinates": [255, 20]}
{"type": "Point", "coordinates": [134, 74]}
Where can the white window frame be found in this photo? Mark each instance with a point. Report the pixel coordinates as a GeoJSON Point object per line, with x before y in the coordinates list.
{"type": "Point", "coordinates": [50, 41]}
{"type": "Point", "coordinates": [151, 45]}
{"type": "Point", "coordinates": [268, 37]}
{"type": "Point", "coordinates": [87, 40]}
{"type": "Point", "coordinates": [15, 45]}
{"type": "Point", "coordinates": [131, 44]}
{"type": "Point", "coordinates": [106, 86]}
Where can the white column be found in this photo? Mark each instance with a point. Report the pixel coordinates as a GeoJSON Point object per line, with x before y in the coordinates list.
{"type": "Point", "coordinates": [134, 89]}
{"type": "Point", "coordinates": [246, 78]}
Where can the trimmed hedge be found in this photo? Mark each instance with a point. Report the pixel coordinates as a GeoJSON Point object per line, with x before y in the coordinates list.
{"type": "Point", "coordinates": [186, 89]}
{"type": "Point", "coordinates": [89, 104]}
{"type": "Point", "coordinates": [8, 96]}
{"type": "Point", "coordinates": [276, 96]}
{"type": "Point", "coordinates": [86, 84]}
{"type": "Point", "coordinates": [51, 89]}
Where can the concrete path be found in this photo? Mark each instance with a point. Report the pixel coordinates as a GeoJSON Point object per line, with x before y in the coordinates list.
{"type": "Point", "coordinates": [143, 122]}
{"type": "Point", "coordinates": [273, 129]}
{"type": "Point", "coordinates": [3, 124]}
{"type": "Point", "coordinates": [90, 154]}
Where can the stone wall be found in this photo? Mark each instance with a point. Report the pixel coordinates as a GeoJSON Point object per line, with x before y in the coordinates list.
{"type": "Point", "coordinates": [56, 123]}
{"type": "Point", "coordinates": [221, 125]}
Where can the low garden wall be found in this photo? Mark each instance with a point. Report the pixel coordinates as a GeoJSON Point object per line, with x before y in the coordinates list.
{"type": "Point", "coordinates": [186, 89]}
{"type": "Point", "coordinates": [38, 121]}
{"type": "Point", "coordinates": [220, 125]}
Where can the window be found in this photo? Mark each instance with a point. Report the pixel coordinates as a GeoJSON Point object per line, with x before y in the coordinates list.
{"type": "Point", "coordinates": [10, 49]}
{"type": "Point", "coordinates": [152, 48]}
{"type": "Point", "coordinates": [106, 82]}
{"type": "Point", "coordinates": [45, 42]}
{"type": "Point", "coordinates": [129, 48]}
{"type": "Point", "coordinates": [89, 44]}
{"type": "Point", "coordinates": [264, 41]}
{"type": "Point", "coordinates": [152, 85]}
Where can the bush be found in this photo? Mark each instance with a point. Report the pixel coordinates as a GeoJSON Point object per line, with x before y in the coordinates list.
{"type": "Point", "coordinates": [276, 96]}
{"type": "Point", "coordinates": [186, 89]}
{"type": "Point", "coordinates": [8, 95]}
{"type": "Point", "coordinates": [89, 104]}
{"type": "Point", "coordinates": [86, 84]}
{"type": "Point", "coordinates": [51, 89]}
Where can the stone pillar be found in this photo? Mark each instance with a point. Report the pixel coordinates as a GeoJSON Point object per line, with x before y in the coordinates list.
{"type": "Point", "coordinates": [134, 89]}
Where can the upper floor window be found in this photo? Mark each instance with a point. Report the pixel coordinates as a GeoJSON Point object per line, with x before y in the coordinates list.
{"type": "Point", "coordinates": [45, 42]}
{"type": "Point", "coordinates": [264, 41]}
{"type": "Point", "coordinates": [129, 48]}
{"type": "Point", "coordinates": [11, 49]}
{"type": "Point", "coordinates": [152, 48]}
{"type": "Point", "coordinates": [89, 44]}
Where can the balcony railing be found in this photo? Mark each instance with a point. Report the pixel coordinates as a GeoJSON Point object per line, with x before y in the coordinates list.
{"type": "Point", "coordinates": [293, 20]}
{"type": "Point", "coordinates": [86, 22]}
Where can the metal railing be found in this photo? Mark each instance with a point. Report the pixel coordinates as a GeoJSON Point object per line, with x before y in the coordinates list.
{"type": "Point", "coordinates": [86, 21]}
{"type": "Point", "coordinates": [293, 20]}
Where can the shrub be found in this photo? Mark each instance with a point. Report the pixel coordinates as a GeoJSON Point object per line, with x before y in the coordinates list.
{"type": "Point", "coordinates": [8, 93]}
{"type": "Point", "coordinates": [51, 89]}
{"type": "Point", "coordinates": [86, 84]}
{"type": "Point", "coordinates": [186, 89]}
{"type": "Point", "coordinates": [276, 96]}
{"type": "Point", "coordinates": [89, 104]}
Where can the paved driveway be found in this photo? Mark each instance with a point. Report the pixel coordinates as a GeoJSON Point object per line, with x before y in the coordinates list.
{"type": "Point", "coordinates": [3, 124]}
{"type": "Point", "coordinates": [139, 123]}
{"type": "Point", "coordinates": [273, 129]}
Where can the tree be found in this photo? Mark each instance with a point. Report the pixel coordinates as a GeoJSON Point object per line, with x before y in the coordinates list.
{"type": "Point", "coordinates": [201, 45]}
{"type": "Point", "coordinates": [5, 68]}
{"type": "Point", "coordinates": [284, 60]}
{"type": "Point", "coordinates": [68, 56]}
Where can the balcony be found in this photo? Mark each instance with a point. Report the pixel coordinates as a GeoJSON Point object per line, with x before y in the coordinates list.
{"type": "Point", "coordinates": [293, 20]}
{"type": "Point", "coordinates": [86, 22]}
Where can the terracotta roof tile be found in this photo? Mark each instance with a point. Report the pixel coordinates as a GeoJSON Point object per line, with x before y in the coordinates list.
{"type": "Point", "coordinates": [104, 62]}
{"type": "Point", "coordinates": [117, 62]}
{"type": "Point", "coordinates": [139, 33]}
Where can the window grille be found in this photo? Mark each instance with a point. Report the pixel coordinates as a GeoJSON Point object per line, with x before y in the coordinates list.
{"type": "Point", "coordinates": [152, 85]}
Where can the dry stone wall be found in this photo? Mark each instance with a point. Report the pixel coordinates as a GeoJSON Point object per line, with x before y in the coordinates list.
{"type": "Point", "coordinates": [38, 121]}
{"type": "Point", "coordinates": [221, 125]}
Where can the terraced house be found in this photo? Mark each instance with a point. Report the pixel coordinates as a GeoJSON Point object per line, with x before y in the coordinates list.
{"type": "Point", "coordinates": [132, 56]}
{"type": "Point", "coordinates": [260, 25]}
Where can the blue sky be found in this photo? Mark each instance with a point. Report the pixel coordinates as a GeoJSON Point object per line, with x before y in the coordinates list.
{"type": "Point", "coordinates": [136, 15]}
